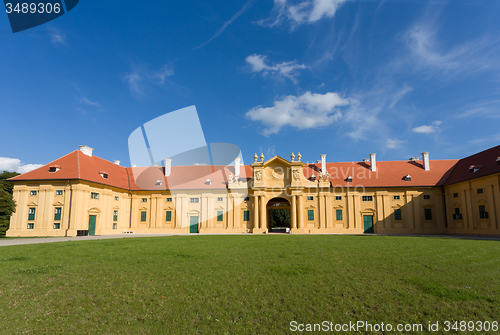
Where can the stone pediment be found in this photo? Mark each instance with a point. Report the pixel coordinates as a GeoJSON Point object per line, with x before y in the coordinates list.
{"type": "Point", "coordinates": [277, 160]}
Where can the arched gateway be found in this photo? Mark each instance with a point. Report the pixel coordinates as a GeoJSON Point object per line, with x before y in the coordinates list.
{"type": "Point", "coordinates": [278, 215]}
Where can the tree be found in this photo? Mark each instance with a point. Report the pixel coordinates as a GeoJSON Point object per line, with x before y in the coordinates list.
{"type": "Point", "coordinates": [280, 218]}
{"type": "Point", "coordinates": [7, 203]}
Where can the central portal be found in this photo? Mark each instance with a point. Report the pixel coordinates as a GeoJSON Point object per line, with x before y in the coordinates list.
{"type": "Point", "coordinates": [278, 215]}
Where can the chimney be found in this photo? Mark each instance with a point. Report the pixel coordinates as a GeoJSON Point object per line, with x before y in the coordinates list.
{"type": "Point", "coordinates": [168, 166]}
{"type": "Point", "coordinates": [373, 162]}
{"type": "Point", "coordinates": [86, 150]}
{"type": "Point", "coordinates": [425, 159]}
{"type": "Point", "coordinates": [237, 164]}
{"type": "Point", "coordinates": [117, 162]}
{"type": "Point", "coordinates": [323, 163]}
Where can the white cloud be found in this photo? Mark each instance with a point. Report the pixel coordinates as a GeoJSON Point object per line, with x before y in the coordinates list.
{"type": "Point", "coordinates": [15, 165]}
{"type": "Point", "coordinates": [258, 63]}
{"type": "Point", "coordinates": [227, 23]}
{"type": "Point", "coordinates": [304, 12]}
{"type": "Point", "coordinates": [393, 143]}
{"type": "Point", "coordinates": [428, 129]}
{"type": "Point", "coordinates": [310, 110]}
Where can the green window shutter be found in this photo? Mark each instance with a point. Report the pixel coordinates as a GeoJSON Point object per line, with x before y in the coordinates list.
{"type": "Point", "coordinates": [143, 216]}
{"type": "Point", "coordinates": [169, 216]}
{"type": "Point", "coordinates": [339, 214]}
{"type": "Point", "coordinates": [219, 216]}
{"type": "Point", "coordinates": [397, 214]}
{"type": "Point", "coordinates": [246, 216]}
{"type": "Point", "coordinates": [57, 214]}
{"type": "Point", "coordinates": [310, 215]}
{"type": "Point", "coordinates": [428, 214]}
{"type": "Point", "coordinates": [31, 214]}
{"type": "Point", "coordinates": [115, 216]}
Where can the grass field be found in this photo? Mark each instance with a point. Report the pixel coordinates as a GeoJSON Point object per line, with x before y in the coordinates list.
{"type": "Point", "coordinates": [244, 284]}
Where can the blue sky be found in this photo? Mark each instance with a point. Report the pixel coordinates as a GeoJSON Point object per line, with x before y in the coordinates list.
{"type": "Point", "coordinates": [344, 78]}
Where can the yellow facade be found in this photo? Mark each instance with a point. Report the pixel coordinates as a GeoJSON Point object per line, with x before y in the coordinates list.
{"type": "Point", "coordinates": [244, 206]}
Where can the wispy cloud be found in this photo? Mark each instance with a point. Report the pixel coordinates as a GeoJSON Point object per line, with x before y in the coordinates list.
{"type": "Point", "coordinates": [226, 24]}
{"type": "Point", "coordinates": [290, 70]}
{"type": "Point", "coordinates": [57, 37]}
{"type": "Point", "coordinates": [428, 129]}
{"type": "Point", "coordinates": [393, 143]}
{"type": "Point", "coordinates": [480, 54]}
{"type": "Point", "coordinates": [304, 12]}
{"type": "Point", "coordinates": [140, 78]}
{"type": "Point", "coordinates": [488, 108]}
{"type": "Point", "coordinates": [310, 110]}
{"type": "Point", "coordinates": [15, 165]}
{"type": "Point", "coordinates": [406, 89]}
{"type": "Point", "coordinates": [86, 101]}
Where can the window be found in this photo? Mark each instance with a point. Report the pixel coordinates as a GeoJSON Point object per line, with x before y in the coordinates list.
{"type": "Point", "coordinates": [338, 197]}
{"type": "Point", "coordinates": [115, 225]}
{"type": "Point", "coordinates": [246, 215]}
{"type": "Point", "coordinates": [457, 215]}
{"type": "Point", "coordinates": [57, 214]}
{"type": "Point", "coordinates": [310, 198]}
{"type": "Point", "coordinates": [31, 214]}
{"type": "Point", "coordinates": [310, 214]}
{"type": "Point", "coordinates": [144, 199]}
{"type": "Point", "coordinates": [397, 197]}
{"type": "Point", "coordinates": [428, 214]}
{"type": "Point", "coordinates": [219, 215]}
{"type": "Point", "coordinates": [117, 198]}
{"type": "Point", "coordinates": [479, 191]}
{"type": "Point", "coordinates": [427, 196]}
{"type": "Point", "coordinates": [246, 199]}
{"type": "Point", "coordinates": [143, 216]}
{"type": "Point", "coordinates": [483, 214]}
{"type": "Point", "coordinates": [397, 214]}
{"type": "Point", "coordinates": [33, 192]}
{"type": "Point", "coordinates": [94, 195]}
{"type": "Point", "coordinates": [220, 199]}
{"type": "Point", "coordinates": [367, 198]}
{"type": "Point", "coordinates": [57, 225]}
{"type": "Point", "coordinates": [455, 195]}
{"type": "Point", "coordinates": [169, 199]}
{"type": "Point", "coordinates": [59, 192]}
{"type": "Point", "coordinates": [168, 216]}
{"type": "Point", "coordinates": [115, 215]}
{"type": "Point", "coordinates": [31, 225]}
{"type": "Point", "coordinates": [339, 214]}
{"type": "Point", "coordinates": [194, 200]}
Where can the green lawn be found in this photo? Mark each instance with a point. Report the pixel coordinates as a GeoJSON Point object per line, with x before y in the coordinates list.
{"type": "Point", "coordinates": [244, 284]}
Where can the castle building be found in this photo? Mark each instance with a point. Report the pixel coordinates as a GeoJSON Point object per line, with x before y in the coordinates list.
{"type": "Point", "coordinates": [81, 194]}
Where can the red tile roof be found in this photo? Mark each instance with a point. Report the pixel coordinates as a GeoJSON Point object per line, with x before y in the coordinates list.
{"type": "Point", "coordinates": [388, 174]}
{"type": "Point", "coordinates": [77, 165]}
{"type": "Point", "coordinates": [485, 161]}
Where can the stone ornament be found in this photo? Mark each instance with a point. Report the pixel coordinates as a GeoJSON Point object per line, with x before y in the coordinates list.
{"type": "Point", "coordinates": [258, 175]}
{"type": "Point", "coordinates": [295, 173]}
